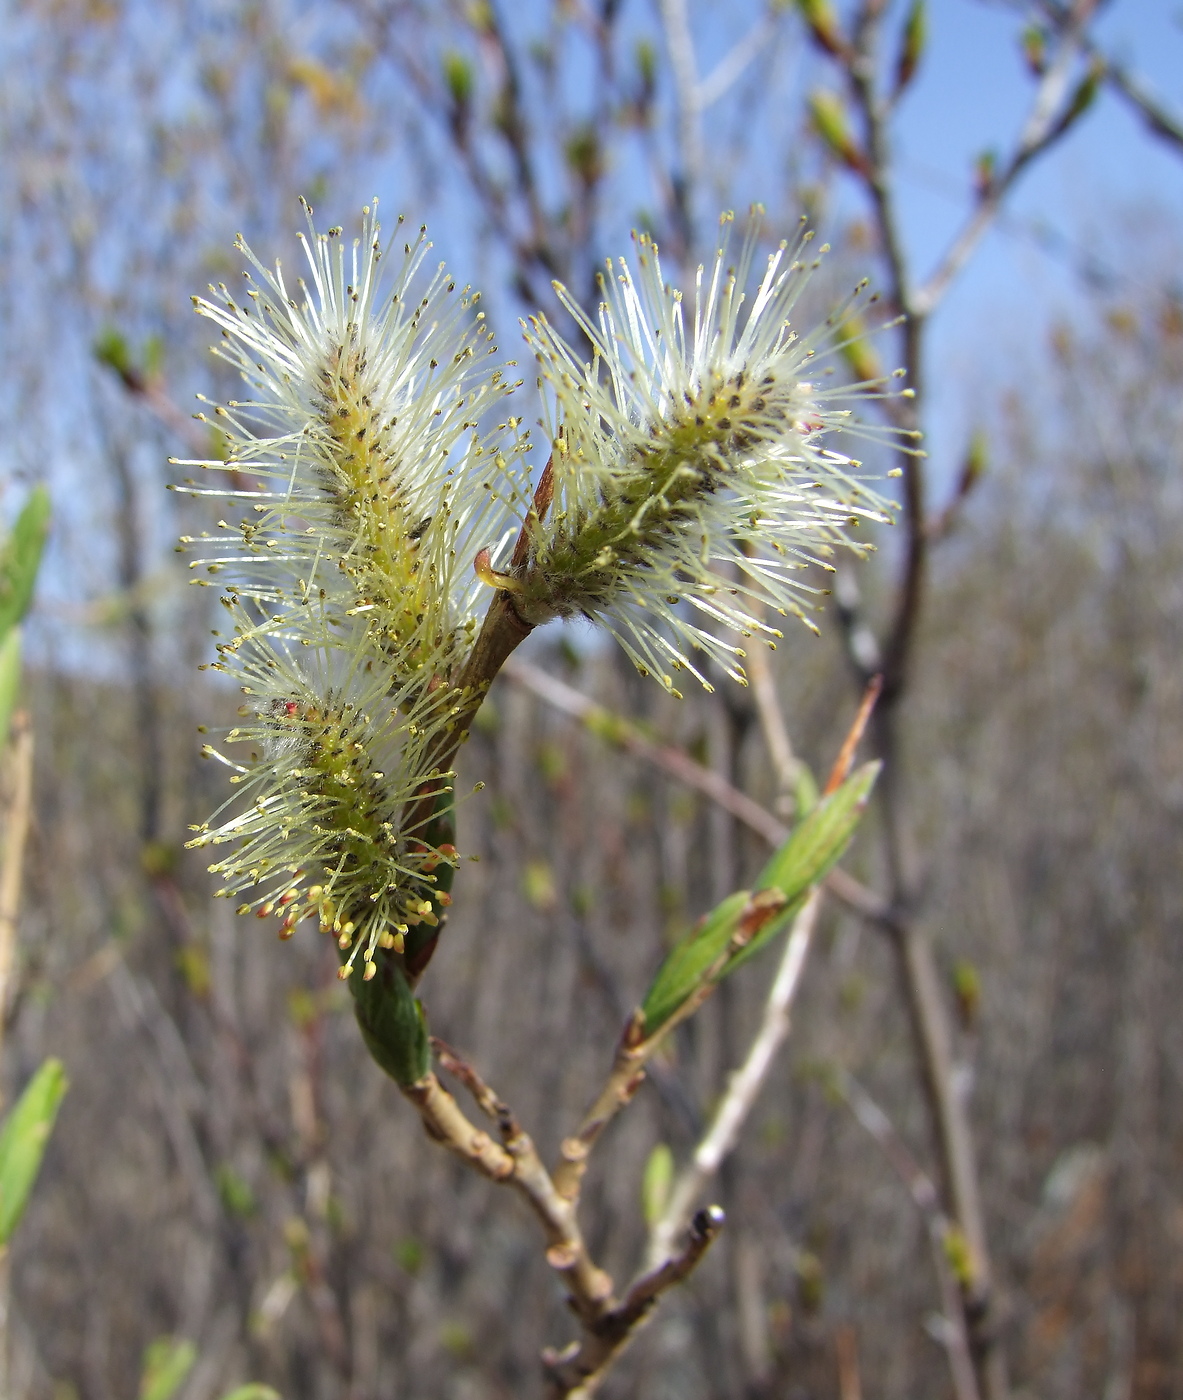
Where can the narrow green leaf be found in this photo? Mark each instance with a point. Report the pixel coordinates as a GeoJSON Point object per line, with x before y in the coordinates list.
{"type": "Point", "coordinates": [656, 1183]}
{"type": "Point", "coordinates": [167, 1362]}
{"type": "Point", "coordinates": [689, 961]}
{"type": "Point", "coordinates": [808, 855]}
{"type": "Point", "coordinates": [22, 1142]}
{"type": "Point", "coordinates": [818, 841]}
{"type": "Point", "coordinates": [815, 845]}
{"type": "Point", "coordinates": [392, 1021]}
{"type": "Point", "coordinates": [253, 1391]}
{"type": "Point", "coordinates": [10, 679]}
{"type": "Point", "coordinates": [806, 795]}
{"type": "Point", "coordinates": [20, 557]}
{"type": "Point", "coordinates": [915, 37]}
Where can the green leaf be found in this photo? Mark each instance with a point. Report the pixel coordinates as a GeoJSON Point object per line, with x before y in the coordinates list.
{"type": "Point", "coordinates": [22, 1142]}
{"type": "Point", "coordinates": [811, 851]}
{"type": "Point", "coordinates": [392, 1021]}
{"type": "Point", "coordinates": [815, 845]}
{"type": "Point", "coordinates": [656, 1183]}
{"type": "Point", "coordinates": [10, 679]}
{"type": "Point", "coordinates": [20, 558]}
{"type": "Point", "coordinates": [805, 795]}
{"type": "Point", "coordinates": [818, 841]}
{"type": "Point", "coordinates": [912, 48]}
{"type": "Point", "coordinates": [691, 959]}
{"type": "Point", "coordinates": [167, 1362]}
{"type": "Point", "coordinates": [253, 1391]}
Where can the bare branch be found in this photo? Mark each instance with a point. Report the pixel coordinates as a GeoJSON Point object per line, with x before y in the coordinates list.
{"type": "Point", "coordinates": [772, 723]}
{"type": "Point", "coordinates": [608, 1324]}
{"type": "Point", "coordinates": [743, 1090]}
{"type": "Point", "coordinates": [731, 66]}
{"type": "Point", "coordinates": [940, 1230]}
{"type": "Point", "coordinates": [1050, 117]}
{"type": "Point", "coordinates": [616, 730]}
{"type": "Point", "coordinates": [683, 66]}
{"type": "Point", "coordinates": [515, 1162]}
{"type": "Point", "coordinates": [578, 1371]}
{"type": "Point", "coordinates": [1131, 88]}
{"type": "Point", "coordinates": [627, 736]}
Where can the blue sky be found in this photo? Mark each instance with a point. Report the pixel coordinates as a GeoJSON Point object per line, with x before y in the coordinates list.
{"type": "Point", "coordinates": [1091, 193]}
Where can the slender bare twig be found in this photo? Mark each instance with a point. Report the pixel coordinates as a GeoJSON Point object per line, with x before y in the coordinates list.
{"type": "Point", "coordinates": [731, 66]}
{"type": "Point", "coordinates": [16, 830]}
{"type": "Point", "coordinates": [941, 1231]}
{"type": "Point", "coordinates": [1160, 121]}
{"type": "Point", "coordinates": [743, 1089]}
{"type": "Point", "coordinates": [625, 735]}
{"type": "Point", "coordinates": [1056, 106]}
{"type": "Point", "coordinates": [1047, 121]}
{"type": "Point", "coordinates": [684, 71]}
{"type": "Point", "coordinates": [617, 730]}
{"type": "Point", "coordinates": [850, 1385]}
{"type": "Point", "coordinates": [578, 1371]}
{"type": "Point", "coordinates": [515, 1162]}
{"type": "Point", "coordinates": [608, 1323]}
{"type": "Point", "coordinates": [772, 723]}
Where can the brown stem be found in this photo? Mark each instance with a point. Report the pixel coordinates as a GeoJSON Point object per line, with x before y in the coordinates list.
{"type": "Point", "coordinates": [607, 1323]}
{"type": "Point", "coordinates": [578, 1371]}
{"type": "Point", "coordinates": [515, 1162]}
{"type": "Point", "coordinates": [924, 1194]}
{"type": "Point", "coordinates": [1049, 118]}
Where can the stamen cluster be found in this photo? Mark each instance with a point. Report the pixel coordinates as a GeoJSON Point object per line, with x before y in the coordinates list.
{"type": "Point", "coordinates": [690, 474]}
{"type": "Point", "coordinates": [365, 484]}
{"type": "Point", "coordinates": [689, 483]}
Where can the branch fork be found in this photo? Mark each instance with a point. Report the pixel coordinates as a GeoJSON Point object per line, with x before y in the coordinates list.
{"type": "Point", "coordinates": [608, 1323]}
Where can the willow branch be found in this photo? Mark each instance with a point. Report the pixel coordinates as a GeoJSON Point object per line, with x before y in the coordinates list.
{"type": "Point", "coordinates": [1160, 121]}
{"type": "Point", "coordinates": [684, 72]}
{"type": "Point", "coordinates": [1048, 120]}
{"type": "Point", "coordinates": [623, 734]}
{"type": "Point", "coordinates": [772, 722]}
{"type": "Point", "coordinates": [743, 1090]}
{"type": "Point", "coordinates": [608, 1324]}
{"type": "Point", "coordinates": [577, 1372]}
{"type": "Point", "coordinates": [940, 1229]}
{"type": "Point", "coordinates": [514, 1161]}
{"type": "Point", "coordinates": [731, 66]}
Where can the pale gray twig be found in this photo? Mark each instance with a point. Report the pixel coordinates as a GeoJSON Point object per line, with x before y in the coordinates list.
{"type": "Point", "coordinates": [924, 1193]}
{"type": "Point", "coordinates": [742, 1091]}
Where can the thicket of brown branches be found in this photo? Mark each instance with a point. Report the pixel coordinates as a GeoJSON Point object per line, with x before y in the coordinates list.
{"type": "Point", "coordinates": [970, 1146]}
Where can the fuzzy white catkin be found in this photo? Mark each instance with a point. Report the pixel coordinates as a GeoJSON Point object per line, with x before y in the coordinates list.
{"type": "Point", "coordinates": [692, 471]}
{"type": "Point", "coordinates": [691, 480]}
{"type": "Point", "coordinates": [365, 484]}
